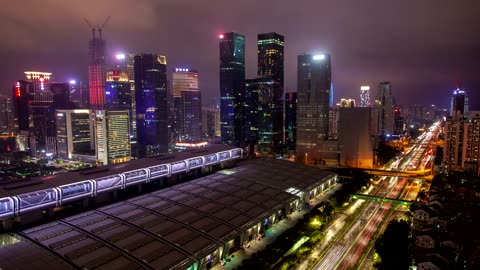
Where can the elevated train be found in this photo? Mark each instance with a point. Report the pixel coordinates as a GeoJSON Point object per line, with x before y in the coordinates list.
{"type": "Point", "coordinates": [57, 196]}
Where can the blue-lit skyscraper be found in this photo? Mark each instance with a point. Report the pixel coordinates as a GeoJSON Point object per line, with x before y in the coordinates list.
{"type": "Point", "coordinates": [151, 104]}
{"type": "Point", "coordinates": [459, 104]}
{"type": "Point", "coordinates": [232, 88]}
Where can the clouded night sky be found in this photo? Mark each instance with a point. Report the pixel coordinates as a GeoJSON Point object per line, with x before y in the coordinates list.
{"type": "Point", "coordinates": [420, 46]}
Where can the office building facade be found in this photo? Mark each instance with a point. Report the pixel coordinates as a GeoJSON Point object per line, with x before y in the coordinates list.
{"type": "Point", "coordinates": [314, 87]}
{"type": "Point", "coordinates": [386, 125]}
{"type": "Point", "coordinates": [271, 58]}
{"type": "Point", "coordinates": [211, 122]}
{"type": "Point", "coordinates": [264, 115]}
{"type": "Point", "coordinates": [151, 105]}
{"type": "Point", "coordinates": [7, 124]}
{"type": "Point", "coordinates": [290, 120]}
{"type": "Point", "coordinates": [232, 88]}
{"type": "Point", "coordinates": [459, 105]}
{"type": "Point", "coordinates": [112, 136]}
{"type": "Point", "coordinates": [75, 134]}
{"type": "Point", "coordinates": [187, 123]}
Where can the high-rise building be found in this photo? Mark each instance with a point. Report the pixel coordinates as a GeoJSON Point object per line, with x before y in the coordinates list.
{"type": "Point", "coordinates": [39, 100]}
{"type": "Point", "coordinates": [75, 134]}
{"type": "Point", "coordinates": [187, 103]}
{"type": "Point", "coordinates": [21, 97]}
{"type": "Point", "coordinates": [7, 124]}
{"type": "Point", "coordinates": [211, 121]}
{"type": "Point", "coordinates": [125, 63]}
{"type": "Point", "coordinates": [79, 94]}
{"type": "Point", "coordinates": [265, 114]}
{"type": "Point", "coordinates": [61, 95]}
{"type": "Point", "coordinates": [60, 101]}
{"type": "Point", "coordinates": [365, 96]}
{"type": "Point", "coordinates": [356, 148]}
{"type": "Point", "coordinates": [232, 88]}
{"type": "Point", "coordinates": [96, 71]}
{"type": "Point", "coordinates": [112, 136]}
{"type": "Point", "coordinates": [151, 104]}
{"type": "Point", "coordinates": [251, 110]}
{"type": "Point", "coordinates": [270, 58]}
{"type": "Point", "coordinates": [314, 86]}
{"type": "Point", "coordinates": [347, 103]}
{"type": "Point", "coordinates": [459, 105]}
{"type": "Point", "coordinates": [290, 120]}
{"type": "Point", "coordinates": [454, 140]}
{"type": "Point", "coordinates": [386, 110]}
{"type": "Point", "coordinates": [399, 121]}
{"type": "Point", "coordinates": [471, 149]}
{"type": "Point", "coordinates": [119, 95]}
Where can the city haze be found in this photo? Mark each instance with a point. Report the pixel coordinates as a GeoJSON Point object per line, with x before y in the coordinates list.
{"type": "Point", "coordinates": [422, 48]}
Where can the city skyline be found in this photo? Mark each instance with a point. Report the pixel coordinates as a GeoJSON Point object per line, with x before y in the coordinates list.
{"type": "Point", "coordinates": [369, 44]}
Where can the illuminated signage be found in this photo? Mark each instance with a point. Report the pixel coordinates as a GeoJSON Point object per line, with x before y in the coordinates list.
{"type": "Point", "coordinates": [365, 88]}
{"type": "Point", "coordinates": [120, 56]}
{"type": "Point", "coordinates": [221, 36]}
{"type": "Point", "coordinates": [73, 82]}
{"type": "Point", "coordinates": [181, 144]}
{"type": "Point", "coordinates": [18, 92]}
{"type": "Point", "coordinates": [181, 69]}
{"type": "Point", "coordinates": [319, 57]}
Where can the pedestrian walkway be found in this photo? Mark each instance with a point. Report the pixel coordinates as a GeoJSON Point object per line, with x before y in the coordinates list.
{"type": "Point", "coordinates": [272, 233]}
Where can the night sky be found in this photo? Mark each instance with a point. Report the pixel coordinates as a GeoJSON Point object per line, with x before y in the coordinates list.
{"type": "Point", "coordinates": [421, 46]}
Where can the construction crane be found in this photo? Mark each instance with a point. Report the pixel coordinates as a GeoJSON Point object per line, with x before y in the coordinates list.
{"type": "Point", "coordinates": [91, 27]}
{"type": "Point", "coordinates": [100, 28]}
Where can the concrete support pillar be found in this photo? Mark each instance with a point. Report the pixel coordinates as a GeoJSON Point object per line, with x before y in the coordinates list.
{"type": "Point", "coordinates": [85, 202]}
{"type": "Point", "coordinates": [114, 195]}
{"type": "Point", "coordinates": [7, 224]}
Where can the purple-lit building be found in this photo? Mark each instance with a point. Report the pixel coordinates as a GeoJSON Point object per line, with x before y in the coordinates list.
{"type": "Point", "coordinates": [151, 105]}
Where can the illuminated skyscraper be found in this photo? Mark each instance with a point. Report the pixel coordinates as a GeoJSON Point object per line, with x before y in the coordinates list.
{"type": "Point", "coordinates": [387, 121]}
{"type": "Point", "coordinates": [151, 104]}
{"type": "Point", "coordinates": [75, 134]}
{"type": "Point", "coordinates": [264, 117]}
{"type": "Point", "coordinates": [211, 121]}
{"type": "Point", "coordinates": [119, 95]}
{"type": "Point", "coordinates": [270, 84]}
{"type": "Point", "coordinates": [21, 97]}
{"type": "Point", "coordinates": [79, 94]}
{"type": "Point", "coordinates": [459, 105]}
{"type": "Point", "coordinates": [347, 103]}
{"type": "Point", "coordinates": [6, 115]}
{"type": "Point", "coordinates": [125, 63]}
{"type": "Point", "coordinates": [365, 96]}
{"type": "Point", "coordinates": [188, 106]}
{"type": "Point", "coordinates": [96, 71]}
{"type": "Point", "coordinates": [314, 87]}
{"type": "Point", "coordinates": [232, 88]}
{"type": "Point", "coordinates": [112, 136]}
{"type": "Point", "coordinates": [291, 119]}
{"type": "Point", "coordinates": [39, 100]}
{"type": "Point", "coordinates": [270, 58]}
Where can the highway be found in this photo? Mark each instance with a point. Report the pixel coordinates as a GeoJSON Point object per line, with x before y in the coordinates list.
{"type": "Point", "coordinates": [346, 248]}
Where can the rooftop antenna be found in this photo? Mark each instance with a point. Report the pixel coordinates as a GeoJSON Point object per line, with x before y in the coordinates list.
{"type": "Point", "coordinates": [100, 28]}
{"type": "Point", "coordinates": [91, 27]}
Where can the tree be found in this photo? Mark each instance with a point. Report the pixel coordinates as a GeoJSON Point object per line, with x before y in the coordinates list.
{"type": "Point", "coordinates": [385, 153]}
{"type": "Point", "coordinates": [395, 246]}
